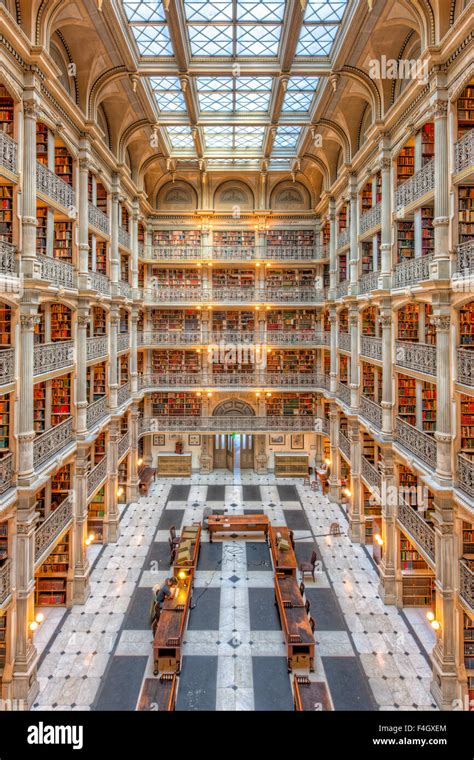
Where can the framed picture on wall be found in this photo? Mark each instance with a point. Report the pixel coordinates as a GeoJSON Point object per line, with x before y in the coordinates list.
{"type": "Point", "coordinates": [277, 439]}
{"type": "Point", "coordinates": [297, 441]}
{"type": "Point", "coordinates": [159, 440]}
{"type": "Point", "coordinates": [194, 440]}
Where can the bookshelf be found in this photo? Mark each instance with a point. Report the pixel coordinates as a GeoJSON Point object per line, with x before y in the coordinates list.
{"type": "Point", "coordinates": [291, 361]}
{"type": "Point", "coordinates": [291, 404]}
{"type": "Point", "coordinates": [233, 321]}
{"type": "Point", "coordinates": [427, 231]}
{"type": "Point", "coordinates": [369, 321]}
{"type": "Point", "coordinates": [468, 653]}
{"type": "Point", "coordinates": [408, 484]}
{"type": "Point", "coordinates": [51, 578]}
{"type": "Point", "coordinates": [289, 238]}
{"type": "Point", "coordinates": [3, 641]}
{"type": "Point", "coordinates": [99, 448]}
{"type": "Point", "coordinates": [99, 321]}
{"type": "Point", "coordinates": [61, 324]}
{"type": "Point", "coordinates": [90, 188]}
{"type": "Point", "coordinates": [371, 510]}
{"type": "Point", "coordinates": [42, 230]}
{"type": "Point", "coordinates": [378, 191]}
{"type": "Point", "coordinates": [405, 163]}
{"type": "Point", "coordinates": [428, 407]}
{"type": "Point", "coordinates": [60, 399]}
{"type": "Point", "coordinates": [407, 399]}
{"type": "Point", "coordinates": [291, 320]}
{"type": "Point", "coordinates": [430, 329]}
{"type": "Point", "coordinates": [124, 268]}
{"type": "Point", "coordinates": [62, 243]}
{"type": "Point", "coordinates": [366, 197]}
{"type": "Point", "coordinates": [465, 110]}
{"type": "Point", "coordinates": [98, 380]}
{"type": "Point", "coordinates": [124, 219]}
{"type": "Point", "coordinates": [39, 408]}
{"type": "Point", "coordinates": [175, 405]}
{"type": "Point", "coordinates": [166, 238]}
{"type": "Point", "coordinates": [243, 279]}
{"type": "Point", "coordinates": [42, 143]}
{"type": "Point", "coordinates": [342, 219]}
{"type": "Point", "coordinates": [60, 486]}
{"type": "Point", "coordinates": [405, 241]}
{"type": "Point", "coordinates": [468, 540]}
{"type": "Point", "coordinates": [123, 363]}
{"type": "Point", "coordinates": [189, 278]}
{"type": "Point", "coordinates": [466, 325]}
{"type": "Point", "coordinates": [243, 238]}
{"type": "Point", "coordinates": [368, 381]}
{"type": "Point", "coordinates": [5, 409]}
{"type": "Point", "coordinates": [427, 143]}
{"type": "Point", "coordinates": [344, 321]}
{"type": "Point", "coordinates": [467, 424]}
{"type": "Point", "coordinates": [141, 275]}
{"type": "Point", "coordinates": [326, 233]}
{"type": "Point", "coordinates": [96, 514]}
{"type": "Point", "coordinates": [101, 198]}
{"type": "Point", "coordinates": [5, 325]}
{"type": "Point", "coordinates": [3, 541]}
{"type": "Point", "coordinates": [417, 579]}
{"type": "Point", "coordinates": [367, 258]}
{"type": "Point", "coordinates": [343, 369]}
{"type": "Point", "coordinates": [465, 214]}
{"type": "Point", "coordinates": [101, 257]}
{"type": "Point", "coordinates": [175, 361]}
{"type": "Point", "coordinates": [342, 267]}
{"type": "Point", "coordinates": [288, 278]}
{"type": "Point", "coordinates": [7, 113]}
{"type": "Point", "coordinates": [63, 164]}
{"type": "Point", "coordinates": [408, 317]}
{"type": "Point", "coordinates": [122, 479]}
{"type": "Point", "coordinates": [6, 213]}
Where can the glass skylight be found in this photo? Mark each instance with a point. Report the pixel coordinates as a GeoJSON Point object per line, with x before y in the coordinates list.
{"type": "Point", "coordinates": [299, 94]}
{"type": "Point", "coordinates": [180, 137]}
{"type": "Point", "coordinates": [234, 94]}
{"type": "Point", "coordinates": [148, 24]}
{"type": "Point", "coordinates": [168, 93]}
{"type": "Point", "coordinates": [321, 23]}
{"type": "Point", "coordinates": [223, 136]}
{"type": "Point", "coordinates": [286, 137]}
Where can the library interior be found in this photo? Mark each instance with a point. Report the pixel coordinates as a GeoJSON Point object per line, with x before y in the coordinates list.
{"type": "Point", "coordinates": [236, 355]}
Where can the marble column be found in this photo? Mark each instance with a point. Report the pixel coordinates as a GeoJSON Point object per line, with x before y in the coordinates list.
{"type": "Point", "coordinates": [354, 382]}
{"type": "Point", "coordinates": [30, 266]}
{"type": "Point", "coordinates": [133, 351]}
{"type": "Point", "coordinates": [83, 219]}
{"type": "Point", "coordinates": [353, 229]}
{"type": "Point", "coordinates": [133, 456]}
{"type": "Point", "coordinates": [263, 189]}
{"type": "Point", "coordinates": [333, 349]}
{"type": "Point", "coordinates": [80, 586]}
{"type": "Point", "coordinates": [355, 514]}
{"type": "Point", "coordinates": [444, 686]}
{"type": "Point", "coordinates": [386, 218]}
{"type": "Point", "coordinates": [390, 549]}
{"type": "Point", "coordinates": [113, 376]}
{"type": "Point", "coordinates": [440, 267]}
{"type": "Point", "coordinates": [443, 434]}
{"type": "Point", "coordinates": [134, 244]}
{"type": "Point", "coordinates": [385, 320]}
{"type": "Point", "coordinates": [83, 320]}
{"type": "Point", "coordinates": [26, 433]}
{"type": "Point", "coordinates": [114, 225]}
{"type": "Point", "coordinates": [112, 515]}
{"type": "Point", "coordinates": [334, 474]}
{"type": "Point", "coordinates": [332, 247]}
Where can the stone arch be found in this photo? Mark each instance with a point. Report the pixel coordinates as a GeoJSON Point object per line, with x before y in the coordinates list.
{"type": "Point", "coordinates": [100, 83]}
{"type": "Point", "coordinates": [233, 193]}
{"type": "Point", "coordinates": [9, 83]}
{"type": "Point", "coordinates": [178, 193]}
{"type": "Point", "coordinates": [59, 56]}
{"type": "Point", "coordinates": [126, 136]}
{"type": "Point", "coordinates": [290, 195]}
{"type": "Point", "coordinates": [322, 168]}
{"type": "Point", "coordinates": [233, 407]}
{"type": "Point", "coordinates": [338, 130]}
{"type": "Point", "coordinates": [352, 72]}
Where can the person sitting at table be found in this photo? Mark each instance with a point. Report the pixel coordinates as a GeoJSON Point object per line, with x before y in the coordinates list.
{"type": "Point", "coordinates": [167, 590]}
{"type": "Point", "coordinates": [323, 474]}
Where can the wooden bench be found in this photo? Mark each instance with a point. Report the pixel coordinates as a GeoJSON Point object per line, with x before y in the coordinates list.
{"type": "Point", "coordinates": [310, 695]}
{"type": "Point", "coordinates": [238, 524]}
{"type": "Point", "coordinates": [159, 694]}
{"type": "Point", "coordinates": [284, 560]}
{"type": "Point", "coordinates": [299, 637]}
{"type": "Point", "coordinates": [146, 475]}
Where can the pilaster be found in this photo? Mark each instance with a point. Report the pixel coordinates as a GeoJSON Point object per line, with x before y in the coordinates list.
{"type": "Point", "coordinates": [388, 576]}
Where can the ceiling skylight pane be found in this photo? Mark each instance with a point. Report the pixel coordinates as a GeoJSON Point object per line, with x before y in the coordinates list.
{"type": "Point", "coordinates": [203, 10]}
{"type": "Point", "coordinates": [168, 93]}
{"type": "Point", "coordinates": [214, 83]}
{"type": "Point", "coordinates": [141, 11]}
{"type": "Point", "coordinates": [325, 11]}
{"type": "Point", "coordinates": [248, 137]}
{"type": "Point", "coordinates": [250, 10]}
{"type": "Point", "coordinates": [252, 101]}
{"type": "Point", "coordinates": [286, 137]}
{"type": "Point", "coordinates": [152, 40]}
{"type": "Point", "coordinates": [234, 94]}
{"type": "Point", "coordinates": [316, 40]}
{"type": "Point", "coordinates": [180, 137]}
{"type": "Point", "coordinates": [299, 94]}
{"type": "Point", "coordinates": [218, 137]}
{"type": "Point", "coordinates": [210, 40]}
{"type": "Point", "coordinates": [253, 83]}
{"type": "Point", "coordinates": [258, 40]}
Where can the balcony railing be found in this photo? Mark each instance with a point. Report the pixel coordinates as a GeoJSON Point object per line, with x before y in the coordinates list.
{"type": "Point", "coordinates": [8, 153]}
{"type": "Point", "coordinates": [51, 528]}
{"type": "Point", "coordinates": [421, 183]}
{"type": "Point", "coordinates": [100, 283]}
{"type": "Point", "coordinates": [49, 357]}
{"type": "Point", "coordinates": [234, 295]}
{"type": "Point", "coordinates": [98, 219]}
{"type": "Point", "coordinates": [465, 366]}
{"type": "Point", "coordinates": [123, 394]}
{"type": "Point", "coordinates": [418, 356]}
{"type": "Point", "coordinates": [125, 289]}
{"type": "Point", "coordinates": [371, 475]}
{"type": "Point", "coordinates": [466, 475]}
{"type": "Point", "coordinates": [5, 581]}
{"type": "Point", "coordinates": [57, 272]}
{"type": "Point", "coordinates": [6, 472]}
{"type": "Point", "coordinates": [227, 424]}
{"type": "Point", "coordinates": [97, 411]}
{"type": "Point", "coordinates": [123, 445]}
{"type": "Point", "coordinates": [372, 218]}
{"type": "Point", "coordinates": [49, 184]}
{"type": "Point", "coordinates": [231, 380]}
{"type": "Point", "coordinates": [422, 533]}
{"type": "Point", "coordinates": [298, 337]}
{"type": "Point", "coordinates": [291, 379]}
{"type": "Point", "coordinates": [169, 338]}
{"type": "Point", "coordinates": [7, 257]}
{"type": "Point", "coordinates": [371, 346]}
{"type": "Point", "coordinates": [124, 237]}
{"type": "Point", "coordinates": [344, 393]}
{"type": "Point", "coordinates": [7, 365]}
{"type": "Point", "coordinates": [97, 347]}
{"type": "Point", "coordinates": [325, 425]}
{"type": "Point", "coordinates": [123, 341]}
{"type": "Point", "coordinates": [344, 445]}
{"type": "Point", "coordinates": [233, 253]}
{"type": "Point", "coordinates": [50, 442]}
{"type": "Point", "coordinates": [173, 253]}
{"type": "Point", "coordinates": [412, 271]}
{"type": "Point", "coordinates": [341, 289]}
{"type": "Point", "coordinates": [369, 282]}
{"type": "Point", "coordinates": [235, 339]}
{"type": "Point", "coordinates": [343, 238]}
{"type": "Point", "coordinates": [466, 584]}
{"type": "Point", "coordinates": [96, 476]}
{"type": "Point", "coordinates": [418, 442]}
{"type": "Point", "coordinates": [371, 411]}
{"type": "Point", "coordinates": [344, 341]}
{"type": "Point", "coordinates": [465, 258]}
{"type": "Point", "coordinates": [464, 152]}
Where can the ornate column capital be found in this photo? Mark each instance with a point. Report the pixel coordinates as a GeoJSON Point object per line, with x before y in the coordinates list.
{"type": "Point", "coordinates": [441, 321]}
{"type": "Point", "coordinates": [31, 109]}
{"type": "Point", "coordinates": [385, 321]}
{"type": "Point", "coordinates": [439, 109]}
{"type": "Point", "coordinates": [28, 321]}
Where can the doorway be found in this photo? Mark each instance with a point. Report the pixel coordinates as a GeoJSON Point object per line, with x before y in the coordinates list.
{"type": "Point", "coordinates": [233, 451]}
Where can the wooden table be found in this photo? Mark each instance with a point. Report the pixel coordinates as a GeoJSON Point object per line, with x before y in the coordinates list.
{"type": "Point", "coordinates": [288, 591]}
{"type": "Point", "coordinates": [159, 694]}
{"type": "Point", "coordinates": [171, 627]}
{"type": "Point", "coordinates": [284, 561]}
{"type": "Point", "coordinates": [238, 524]}
{"type": "Point", "coordinates": [310, 695]}
{"type": "Point", "coordinates": [146, 475]}
{"type": "Point", "coordinates": [195, 538]}
{"type": "Point", "coordinates": [296, 628]}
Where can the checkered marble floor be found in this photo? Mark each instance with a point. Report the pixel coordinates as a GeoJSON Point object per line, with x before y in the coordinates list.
{"type": "Point", "coordinates": [234, 657]}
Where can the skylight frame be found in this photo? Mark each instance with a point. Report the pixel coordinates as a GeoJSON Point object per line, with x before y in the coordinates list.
{"type": "Point", "coordinates": [231, 94]}
{"type": "Point", "coordinates": [322, 22]}
{"type": "Point", "coordinates": [168, 92]}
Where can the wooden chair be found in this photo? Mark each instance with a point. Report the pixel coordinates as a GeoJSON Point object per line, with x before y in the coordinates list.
{"type": "Point", "coordinates": [335, 529]}
{"type": "Point", "coordinates": [308, 568]}
{"type": "Point", "coordinates": [307, 606]}
{"type": "Point", "coordinates": [312, 624]}
{"type": "Point", "coordinates": [156, 619]}
{"type": "Point", "coordinates": [173, 537]}
{"type": "Point", "coordinates": [302, 588]}
{"type": "Point", "coordinates": [206, 512]}
{"type": "Point", "coordinates": [292, 539]}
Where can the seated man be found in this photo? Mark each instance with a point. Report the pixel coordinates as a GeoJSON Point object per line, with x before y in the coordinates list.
{"type": "Point", "coordinates": [167, 590]}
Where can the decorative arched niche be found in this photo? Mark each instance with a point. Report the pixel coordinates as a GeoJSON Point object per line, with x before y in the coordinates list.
{"type": "Point", "coordinates": [176, 195]}
{"type": "Point", "coordinates": [233, 408]}
{"type": "Point", "coordinates": [290, 196]}
{"type": "Point", "coordinates": [233, 193]}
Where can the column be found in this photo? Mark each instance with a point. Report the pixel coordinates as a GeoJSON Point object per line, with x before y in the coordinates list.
{"type": "Point", "coordinates": [205, 460]}
{"type": "Point", "coordinates": [354, 377]}
{"type": "Point", "coordinates": [440, 267]}
{"type": "Point", "coordinates": [114, 225]}
{"type": "Point", "coordinates": [83, 320]}
{"type": "Point", "coordinates": [24, 680]}
{"type": "Point", "coordinates": [333, 337]}
{"type": "Point", "coordinates": [261, 458]}
{"type": "Point", "coordinates": [443, 434]}
{"type": "Point", "coordinates": [134, 243]}
{"type": "Point", "coordinates": [113, 378]}
{"type": "Point", "coordinates": [444, 685]}
{"type": "Point", "coordinates": [356, 517]}
{"type": "Point", "coordinates": [388, 579]}
{"type": "Point", "coordinates": [385, 321]}
{"type": "Point", "coordinates": [80, 587]}
{"type": "Point", "coordinates": [354, 248]}
{"type": "Point", "coordinates": [386, 216]}
{"type": "Point", "coordinates": [332, 247]}
{"type": "Point", "coordinates": [262, 198]}
{"type": "Point", "coordinates": [133, 456]}
{"type": "Point", "coordinates": [26, 434]}
{"type": "Point", "coordinates": [83, 221]}
{"type": "Point", "coordinates": [29, 265]}
{"type": "Point", "coordinates": [334, 477]}
{"type": "Point", "coordinates": [112, 515]}
{"type": "Point", "coordinates": [133, 350]}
